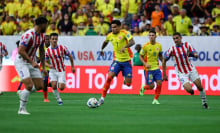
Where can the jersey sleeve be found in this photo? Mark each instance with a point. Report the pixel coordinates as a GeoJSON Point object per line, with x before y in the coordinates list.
{"type": "Point", "coordinates": [25, 39]}
{"type": "Point", "coordinates": [66, 51]}
{"type": "Point", "coordinates": [108, 37]}
{"type": "Point", "coordinates": [190, 48]}
{"type": "Point", "coordinates": [143, 51]}
{"type": "Point", "coordinates": [160, 49]}
{"type": "Point", "coordinates": [168, 53]}
{"type": "Point", "coordinates": [4, 48]}
{"type": "Point", "coordinates": [128, 36]}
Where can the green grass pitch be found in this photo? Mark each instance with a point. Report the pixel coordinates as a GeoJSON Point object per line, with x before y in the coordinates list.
{"type": "Point", "coordinates": [119, 114]}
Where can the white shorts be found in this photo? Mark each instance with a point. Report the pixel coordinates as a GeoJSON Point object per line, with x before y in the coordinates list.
{"type": "Point", "coordinates": [57, 76]}
{"type": "Point", "coordinates": [184, 78]}
{"type": "Point", "coordinates": [26, 70]}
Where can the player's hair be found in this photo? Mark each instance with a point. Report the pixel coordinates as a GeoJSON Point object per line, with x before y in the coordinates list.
{"type": "Point", "coordinates": [177, 33]}
{"type": "Point", "coordinates": [117, 22]}
{"type": "Point", "coordinates": [152, 31]}
{"type": "Point", "coordinates": [41, 20]}
{"type": "Point", "coordinates": [53, 34]}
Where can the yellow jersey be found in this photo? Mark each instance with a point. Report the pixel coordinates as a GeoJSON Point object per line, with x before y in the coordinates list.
{"type": "Point", "coordinates": [118, 42]}
{"type": "Point", "coordinates": [150, 53]}
{"type": "Point", "coordinates": [182, 24]}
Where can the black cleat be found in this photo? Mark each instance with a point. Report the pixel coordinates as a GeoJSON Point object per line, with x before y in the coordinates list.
{"type": "Point", "coordinates": [192, 92]}
{"type": "Point", "coordinates": [205, 106]}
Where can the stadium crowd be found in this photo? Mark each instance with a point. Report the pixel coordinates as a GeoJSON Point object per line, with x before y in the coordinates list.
{"type": "Point", "coordinates": [92, 17]}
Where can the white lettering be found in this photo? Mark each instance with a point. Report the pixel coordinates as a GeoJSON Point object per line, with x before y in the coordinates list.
{"type": "Point", "coordinates": [173, 82]}
{"type": "Point", "coordinates": [70, 82]}
{"type": "Point", "coordinates": [90, 72]}
{"type": "Point", "coordinates": [217, 78]}
{"type": "Point", "coordinates": [97, 77]}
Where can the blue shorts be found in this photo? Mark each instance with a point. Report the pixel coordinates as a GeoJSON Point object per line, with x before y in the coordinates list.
{"type": "Point", "coordinates": [153, 75]}
{"type": "Point", "coordinates": [125, 67]}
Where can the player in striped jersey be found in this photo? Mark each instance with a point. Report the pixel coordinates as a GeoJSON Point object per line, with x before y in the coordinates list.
{"type": "Point", "coordinates": [3, 52]}
{"type": "Point", "coordinates": [25, 62]}
{"type": "Point", "coordinates": [56, 53]}
{"type": "Point", "coordinates": [184, 68]}
{"type": "Point", "coordinates": [149, 55]}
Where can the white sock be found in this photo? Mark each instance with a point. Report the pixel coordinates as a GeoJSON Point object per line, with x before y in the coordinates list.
{"type": "Point", "coordinates": [33, 89]}
{"type": "Point", "coordinates": [24, 98]}
{"type": "Point", "coordinates": [102, 98]}
{"type": "Point", "coordinates": [56, 94]}
{"type": "Point", "coordinates": [203, 96]}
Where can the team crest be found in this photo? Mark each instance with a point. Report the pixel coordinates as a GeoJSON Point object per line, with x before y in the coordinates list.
{"type": "Point", "coordinates": [157, 48]}
{"type": "Point", "coordinates": [119, 37]}
{"type": "Point", "coordinates": [128, 35]}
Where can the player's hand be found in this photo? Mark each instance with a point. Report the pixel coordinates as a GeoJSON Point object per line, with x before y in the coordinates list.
{"type": "Point", "coordinates": [101, 53]}
{"type": "Point", "coordinates": [165, 77]}
{"type": "Point", "coordinates": [1, 55]}
{"type": "Point", "coordinates": [147, 66]}
{"type": "Point", "coordinates": [73, 69]}
{"type": "Point", "coordinates": [122, 50]}
{"type": "Point", "coordinates": [45, 72]}
{"type": "Point", "coordinates": [196, 55]}
{"type": "Point", "coordinates": [35, 65]}
{"type": "Point", "coordinates": [50, 66]}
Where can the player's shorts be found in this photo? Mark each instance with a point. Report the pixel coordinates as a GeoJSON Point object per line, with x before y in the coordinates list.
{"type": "Point", "coordinates": [153, 75]}
{"type": "Point", "coordinates": [184, 78]}
{"type": "Point", "coordinates": [26, 70]}
{"type": "Point", "coordinates": [125, 67]}
{"type": "Point", "coordinates": [60, 77]}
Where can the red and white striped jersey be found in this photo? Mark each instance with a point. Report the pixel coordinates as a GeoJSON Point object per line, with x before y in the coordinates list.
{"type": "Point", "coordinates": [2, 50]}
{"type": "Point", "coordinates": [56, 56]}
{"type": "Point", "coordinates": [31, 40]}
{"type": "Point", "coordinates": [181, 59]}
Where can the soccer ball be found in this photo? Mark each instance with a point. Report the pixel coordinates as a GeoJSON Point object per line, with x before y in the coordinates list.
{"type": "Point", "coordinates": [92, 103]}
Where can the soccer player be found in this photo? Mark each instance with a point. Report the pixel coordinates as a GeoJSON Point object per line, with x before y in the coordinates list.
{"type": "Point", "coordinates": [25, 62]}
{"type": "Point", "coordinates": [47, 44]}
{"type": "Point", "coordinates": [184, 68]}
{"type": "Point", "coordinates": [56, 53]}
{"type": "Point", "coordinates": [121, 41]}
{"type": "Point", "coordinates": [3, 52]}
{"type": "Point", "coordinates": [149, 55]}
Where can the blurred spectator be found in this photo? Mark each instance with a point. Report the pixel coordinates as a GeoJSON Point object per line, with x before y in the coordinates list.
{"type": "Point", "coordinates": [166, 8]}
{"type": "Point", "coordinates": [209, 23]}
{"type": "Point", "coordinates": [143, 22]}
{"type": "Point", "coordinates": [106, 11]}
{"type": "Point", "coordinates": [196, 25]}
{"type": "Point", "coordinates": [98, 4]}
{"type": "Point", "coordinates": [158, 31]}
{"type": "Point", "coordinates": [215, 31]}
{"type": "Point", "coordinates": [74, 29]}
{"type": "Point", "coordinates": [65, 25]}
{"type": "Point", "coordinates": [18, 31]}
{"type": "Point", "coordinates": [208, 8]}
{"type": "Point", "coordinates": [156, 16]}
{"type": "Point", "coordinates": [175, 10]}
{"type": "Point", "coordinates": [127, 27]}
{"type": "Point", "coordinates": [182, 22]}
{"type": "Point", "coordinates": [10, 8]}
{"type": "Point", "coordinates": [136, 31]}
{"type": "Point", "coordinates": [149, 8]}
{"type": "Point", "coordinates": [2, 6]}
{"type": "Point", "coordinates": [84, 2]}
{"type": "Point", "coordinates": [189, 5]}
{"type": "Point", "coordinates": [24, 23]}
{"type": "Point", "coordinates": [169, 26]}
{"type": "Point", "coordinates": [203, 30]}
{"type": "Point", "coordinates": [68, 3]}
{"type": "Point", "coordinates": [81, 29]}
{"type": "Point", "coordinates": [191, 33]}
{"type": "Point", "coordinates": [79, 17]}
{"type": "Point", "coordinates": [31, 22]}
{"type": "Point", "coordinates": [146, 30]}
{"type": "Point", "coordinates": [117, 11]}
{"type": "Point", "coordinates": [136, 59]}
{"type": "Point", "coordinates": [134, 7]}
{"type": "Point", "coordinates": [56, 12]}
{"type": "Point", "coordinates": [49, 4]}
{"type": "Point", "coordinates": [8, 26]}
{"type": "Point", "coordinates": [21, 9]}
{"type": "Point", "coordinates": [34, 10]}
{"type": "Point", "coordinates": [198, 10]}
{"type": "Point", "coordinates": [102, 28]}
{"type": "Point", "coordinates": [52, 29]}
{"type": "Point", "coordinates": [216, 13]}
{"type": "Point", "coordinates": [95, 18]}
{"type": "Point", "coordinates": [135, 22]}
{"type": "Point", "coordinates": [90, 31]}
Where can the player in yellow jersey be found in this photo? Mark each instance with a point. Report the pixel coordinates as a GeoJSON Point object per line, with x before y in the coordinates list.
{"type": "Point", "coordinates": [149, 55]}
{"type": "Point", "coordinates": [121, 41]}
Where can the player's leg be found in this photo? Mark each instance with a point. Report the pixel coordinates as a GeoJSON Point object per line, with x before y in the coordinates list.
{"type": "Point", "coordinates": [45, 88]}
{"type": "Point", "coordinates": [113, 71]}
{"type": "Point", "coordinates": [184, 79]}
{"type": "Point", "coordinates": [194, 76]}
{"type": "Point", "coordinates": [158, 78]}
{"type": "Point", "coordinates": [126, 69]}
{"type": "Point", "coordinates": [149, 85]}
{"type": "Point", "coordinates": [19, 87]}
{"type": "Point", "coordinates": [61, 83]}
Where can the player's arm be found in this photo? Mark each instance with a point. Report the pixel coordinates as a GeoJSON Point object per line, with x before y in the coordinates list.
{"type": "Point", "coordinates": [42, 59]}
{"type": "Point", "coordinates": [164, 67]}
{"type": "Point", "coordinates": [72, 63]}
{"type": "Point", "coordinates": [144, 63]}
{"type": "Point", "coordinates": [104, 44]}
{"type": "Point", "coordinates": [130, 43]}
{"type": "Point", "coordinates": [6, 52]}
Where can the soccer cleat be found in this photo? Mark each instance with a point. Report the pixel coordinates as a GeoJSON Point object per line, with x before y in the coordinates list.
{"type": "Point", "coordinates": [23, 111]}
{"type": "Point", "coordinates": [101, 101]}
{"type": "Point", "coordinates": [205, 106]}
{"type": "Point", "coordinates": [142, 90]}
{"type": "Point", "coordinates": [192, 92]}
{"type": "Point", "coordinates": [155, 101]}
{"type": "Point", "coordinates": [60, 102]}
{"type": "Point", "coordinates": [46, 100]}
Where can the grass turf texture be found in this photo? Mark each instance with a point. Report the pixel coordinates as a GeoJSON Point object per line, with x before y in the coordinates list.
{"type": "Point", "coordinates": [119, 114]}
